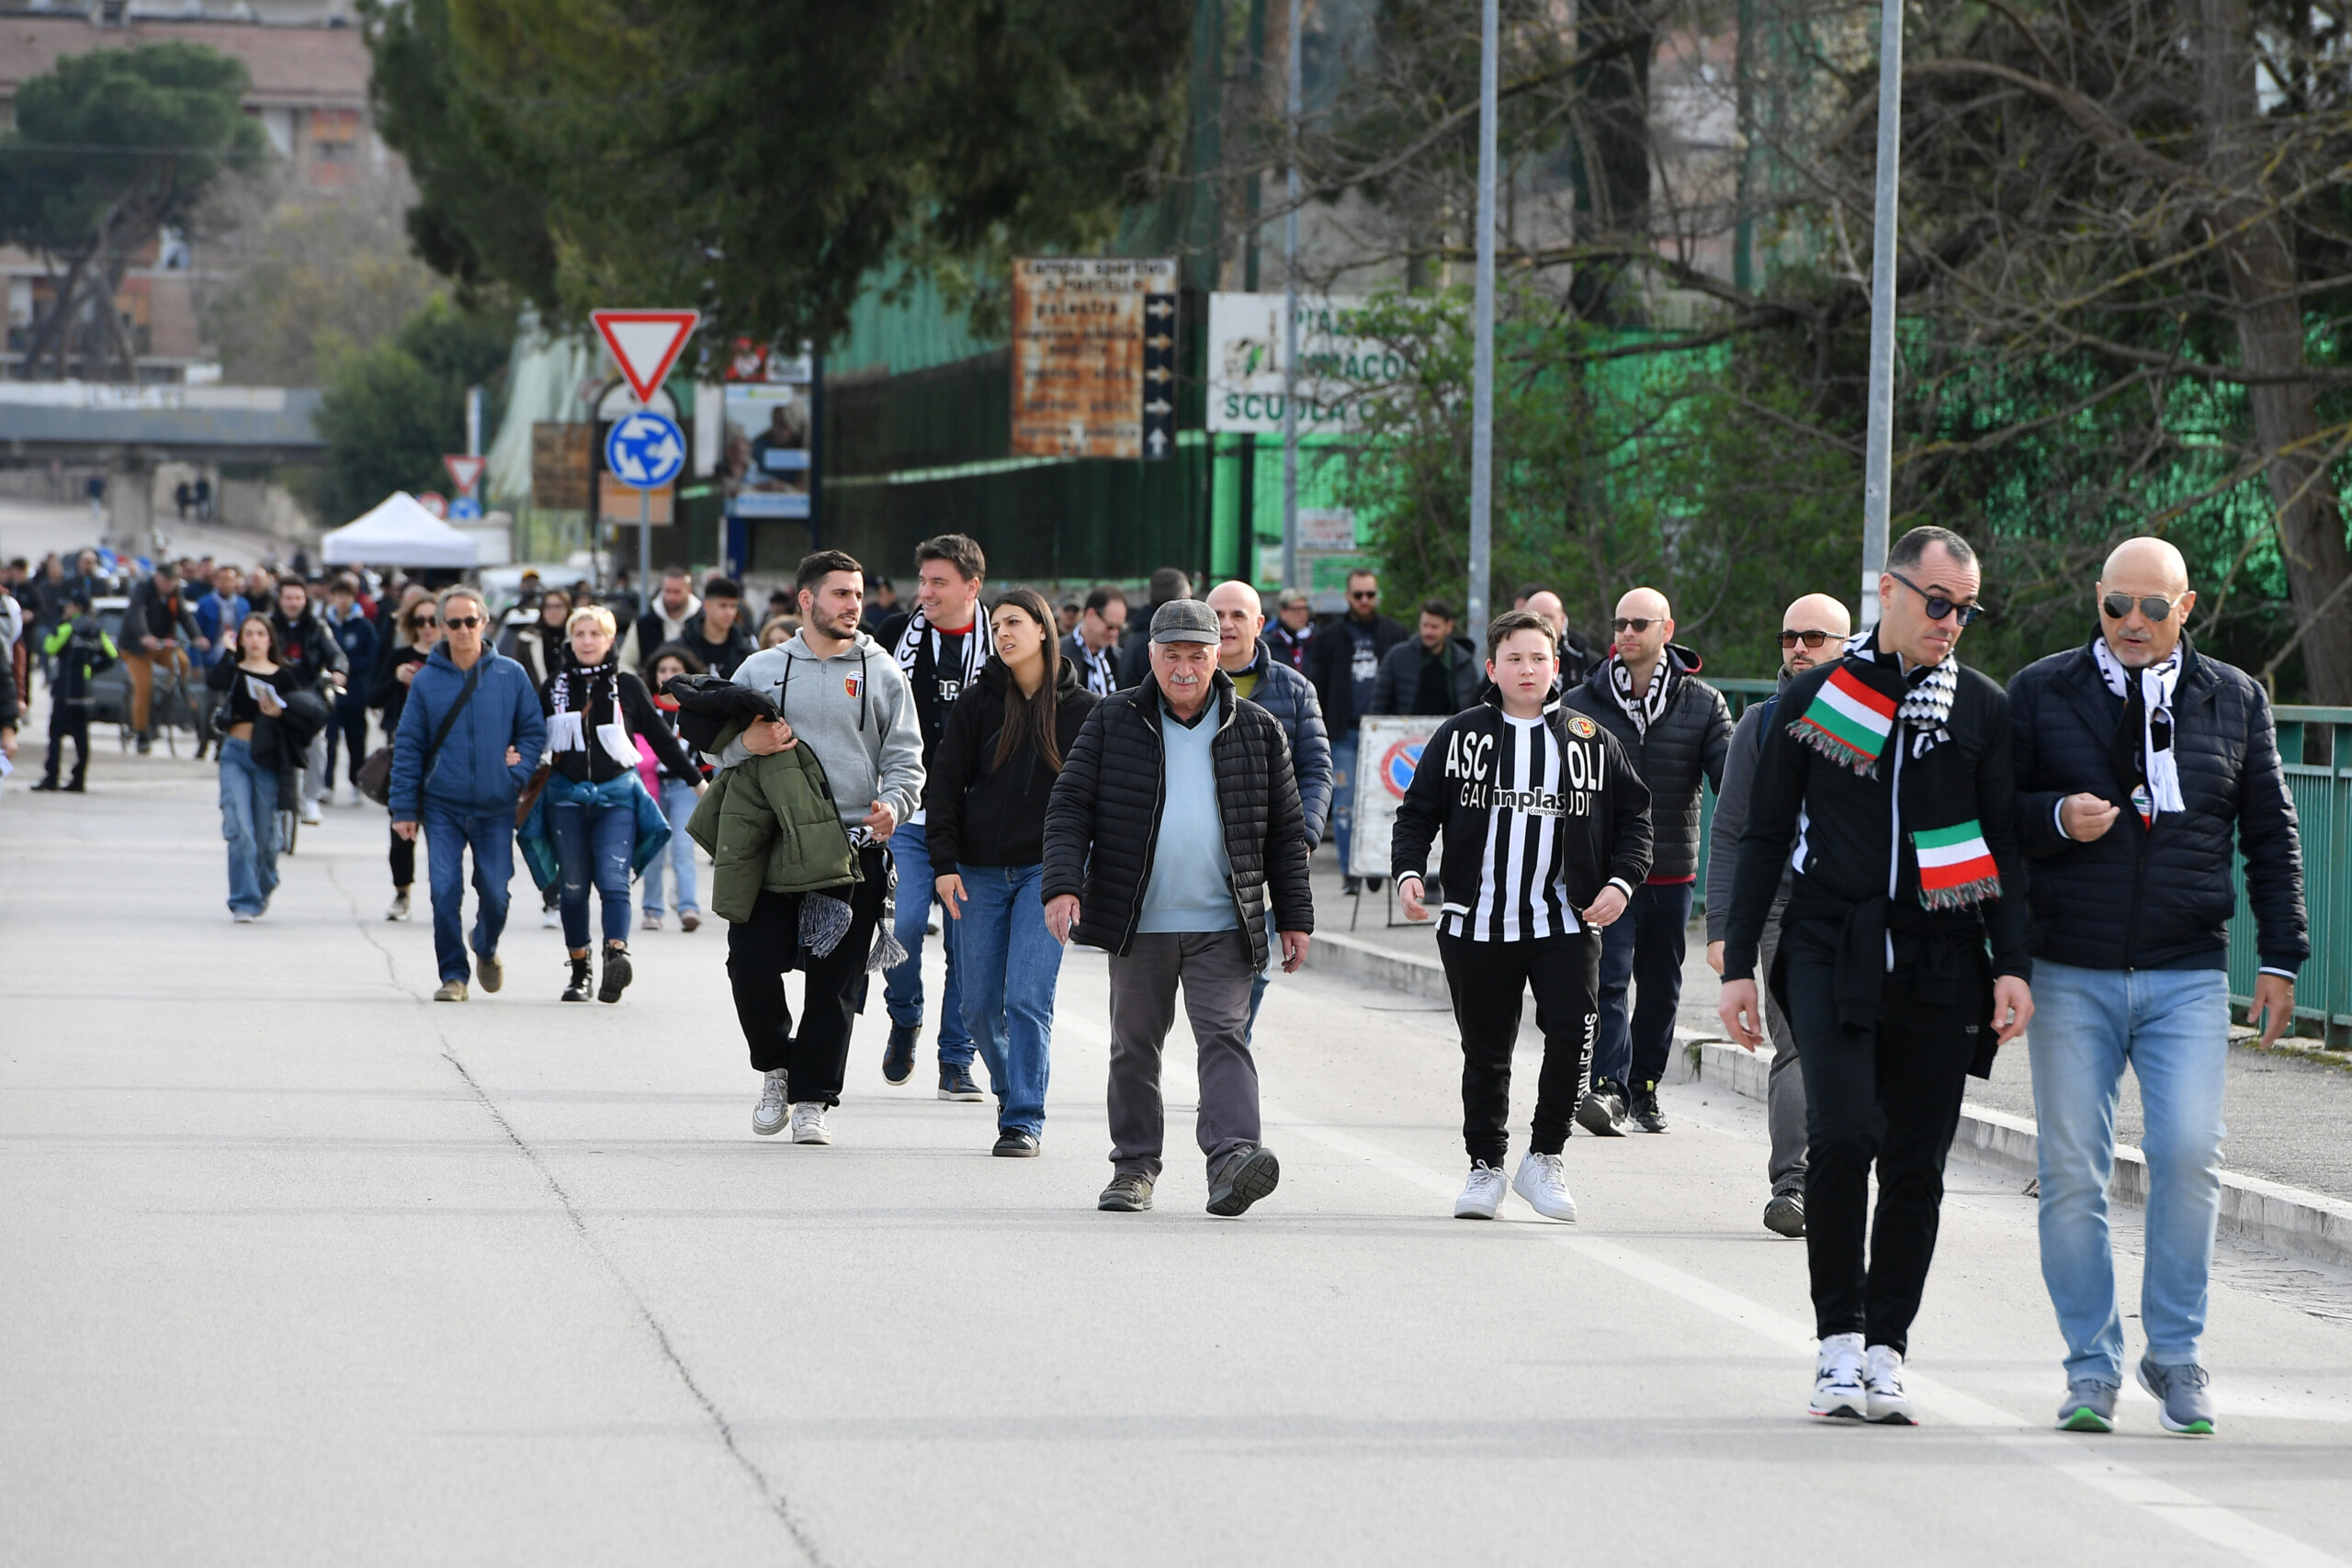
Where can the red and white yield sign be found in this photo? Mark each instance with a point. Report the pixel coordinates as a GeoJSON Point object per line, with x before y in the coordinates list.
{"type": "Point", "coordinates": [646, 343]}
{"type": "Point", "coordinates": [464, 472]}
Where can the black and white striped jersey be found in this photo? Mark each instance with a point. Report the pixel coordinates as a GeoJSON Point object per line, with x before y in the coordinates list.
{"type": "Point", "coordinates": [1538, 815]}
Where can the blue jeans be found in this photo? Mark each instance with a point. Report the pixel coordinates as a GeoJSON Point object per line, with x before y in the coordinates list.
{"type": "Point", "coordinates": [902, 986]}
{"type": "Point", "coordinates": [447, 835]}
{"type": "Point", "coordinates": [2173, 1026]}
{"type": "Point", "coordinates": [677, 804]}
{"type": "Point", "coordinates": [1644, 949]}
{"type": "Point", "coordinates": [1011, 965]}
{"type": "Point", "coordinates": [249, 821]}
{"type": "Point", "coordinates": [593, 845]}
{"type": "Point", "coordinates": [1344, 797]}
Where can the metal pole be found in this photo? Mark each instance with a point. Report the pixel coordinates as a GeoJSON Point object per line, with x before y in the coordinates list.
{"type": "Point", "coordinates": [645, 539]}
{"type": "Point", "coordinates": [1878, 458]}
{"type": "Point", "coordinates": [473, 421]}
{"type": "Point", "coordinates": [1482, 374]}
{"type": "Point", "coordinates": [1290, 314]}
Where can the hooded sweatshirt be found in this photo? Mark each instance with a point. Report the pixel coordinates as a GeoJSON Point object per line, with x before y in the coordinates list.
{"type": "Point", "coordinates": [855, 711]}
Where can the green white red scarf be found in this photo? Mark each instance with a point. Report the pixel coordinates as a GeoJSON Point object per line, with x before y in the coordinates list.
{"type": "Point", "coordinates": [1955, 866]}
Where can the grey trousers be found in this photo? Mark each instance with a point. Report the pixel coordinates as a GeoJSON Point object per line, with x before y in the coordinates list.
{"type": "Point", "coordinates": [1215, 971]}
{"type": "Point", "coordinates": [1784, 1085]}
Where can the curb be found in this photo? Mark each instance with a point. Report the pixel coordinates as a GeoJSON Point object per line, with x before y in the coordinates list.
{"type": "Point", "coordinates": [2288, 1219]}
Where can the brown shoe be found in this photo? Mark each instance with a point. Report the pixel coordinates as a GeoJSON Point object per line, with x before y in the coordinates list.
{"type": "Point", "coordinates": [450, 991]}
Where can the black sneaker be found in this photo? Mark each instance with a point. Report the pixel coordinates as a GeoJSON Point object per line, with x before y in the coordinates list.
{"type": "Point", "coordinates": [1246, 1176]}
{"type": "Point", "coordinates": [1015, 1146]}
{"type": "Point", "coordinates": [1784, 1215]}
{"type": "Point", "coordinates": [1125, 1195]}
{"type": "Point", "coordinates": [899, 1055]}
{"type": "Point", "coordinates": [956, 1083]}
{"type": "Point", "coordinates": [618, 975]}
{"type": "Point", "coordinates": [1644, 1109]}
{"type": "Point", "coordinates": [1349, 886]}
{"type": "Point", "coordinates": [1601, 1112]}
{"type": "Point", "coordinates": [45, 787]}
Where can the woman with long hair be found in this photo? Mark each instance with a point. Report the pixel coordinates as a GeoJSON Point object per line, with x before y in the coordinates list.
{"type": "Point", "coordinates": [594, 709]}
{"type": "Point", "coordinates": [415, 629]}
{"type": "Point", "coordinates": [985, 802]}
{"type": "Point", "coordinates": [537, 645]}
{"type": "Point", "coordinates": [676, 792]}
{"type": "Point", "coordinates": [254, 685]}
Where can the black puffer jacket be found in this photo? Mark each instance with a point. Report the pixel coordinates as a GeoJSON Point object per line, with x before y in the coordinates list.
{"type": "Point", "coordinates": [1290, 697]}
{"type": "Point", "coordinates": [1102, 827]}
{"type": "Point", "coordinates": [2149, 898]}
{"type": "Point", "coordinates": [1689, 741]}
{"type": "Point", "coordinates": [977, 812]}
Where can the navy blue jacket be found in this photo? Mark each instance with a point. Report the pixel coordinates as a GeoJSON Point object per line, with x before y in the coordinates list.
{"type": "Point", "coordinates": [470, 776]}
{"type": "Point", "coordinates": [2160, 899]}
{"type": "Point", "coordinates": [1290, 697]}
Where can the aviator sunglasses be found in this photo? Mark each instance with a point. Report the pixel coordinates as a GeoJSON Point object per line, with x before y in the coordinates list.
{"type": "Point", "coordinates": [2154, 606]}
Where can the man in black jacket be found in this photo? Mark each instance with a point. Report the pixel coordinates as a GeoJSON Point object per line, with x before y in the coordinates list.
{"type": "Point", "coordinates": [715, 634]}
{"type": "Point", "coordinates": [2136, 757]}
{"type": "Point", "coordinates": [1437, 673]}
{"type": "Point", "coordinates": [1678, 730]}
{"type": "Point", "coordinates": [1344, 661]}
{"type": "Point", "coordinates": [1898, 760]}
{"type": "Point", "coordinates": [158, 630]}
{"type": "Point", "coordinates": [317, 660]}
{"type": "Point", "coordinates": [1547, 834]}
{"type": "Point", "coordinates": [1093, 645]}
{"type": "Point", "coordinates": [1175, 816]}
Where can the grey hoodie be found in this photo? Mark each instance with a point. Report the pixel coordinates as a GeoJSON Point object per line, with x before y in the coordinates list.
{"type": "Point", "coordinates": [855, 711]}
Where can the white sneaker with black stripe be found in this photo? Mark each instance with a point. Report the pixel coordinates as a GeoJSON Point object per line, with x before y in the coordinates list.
{"type": "Point", "coordinates": [1882, 1381]}
{"type": "Point", "coordinates": [1837, 1372]}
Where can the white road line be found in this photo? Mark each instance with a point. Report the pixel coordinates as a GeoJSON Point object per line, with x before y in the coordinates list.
{"type": "Point", "coordinates": [2074, 1459]}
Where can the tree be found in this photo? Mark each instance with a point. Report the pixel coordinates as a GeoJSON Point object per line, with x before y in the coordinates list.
{"type": "Point", "coordinates": [392, 409]}
{"type": "Point", "coordinates": [109, 147]}
{"type": "Point", "coordinates": [762, 161]}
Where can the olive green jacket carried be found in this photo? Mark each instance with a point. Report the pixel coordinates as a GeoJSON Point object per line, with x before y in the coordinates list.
{"type": "Point", "coordinates": [770, 824]}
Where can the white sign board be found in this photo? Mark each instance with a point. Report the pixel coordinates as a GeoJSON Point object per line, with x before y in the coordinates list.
{"type": "Point", "coordinates": [1387, 750]}
{"type": "Point", "coordinates": [1337, 368]}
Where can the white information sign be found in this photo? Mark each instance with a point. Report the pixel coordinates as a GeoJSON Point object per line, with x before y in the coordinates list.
{"type": "Point", "coordinates": [1337, 368]}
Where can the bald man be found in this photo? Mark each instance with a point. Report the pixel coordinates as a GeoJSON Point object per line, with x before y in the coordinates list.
{"type": "Point", "coordinates": [2138, 761]}
{"type": "Point", "coordinates": [1814, 631]}
{"type": "Point", "coordinates": [1677, 730]}
{"type": "Point", "coordinates": [1574, 656]}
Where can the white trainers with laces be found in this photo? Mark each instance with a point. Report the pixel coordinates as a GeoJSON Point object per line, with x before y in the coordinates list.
{"type": "Point", "coordinates": [808, 1123]}
{"type": "Point", "coordinates": [1543, 1180]}
{"type": "Point", "coordinates": [1883, 1379]}
{"type": "Point", "coordinates": [1481, 1195]}
{"type": "Point", "coordinates": [1838, 1388]}
{"type": "Point", "coordinates": [776, 1104]}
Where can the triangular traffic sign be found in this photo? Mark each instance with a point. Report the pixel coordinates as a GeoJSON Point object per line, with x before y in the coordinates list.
{"type": "Point", "coordinates": [646, 344]}
{"type": "Point", "coordinates": [464, 472]}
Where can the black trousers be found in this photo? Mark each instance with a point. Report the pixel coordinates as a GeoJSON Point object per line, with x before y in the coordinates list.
{"type": "Point", "coordinates": [1488, 980]}
{"type": "Point", "coordinates": [63, 723]}
{"type": "Point", "coordinates": [759, 952]}
{"type": "Point", "coordinates": [349, 724]}
{"type": "Point", "coordinates": [1887, 1095]}
{"type": "Point", "coordinates": [403, 860]}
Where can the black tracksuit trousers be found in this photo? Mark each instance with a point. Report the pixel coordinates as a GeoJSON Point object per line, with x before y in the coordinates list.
{"type": "Point", "coordinates": [63, 724]}
{"type": "Point", "coordinates": [1887, 1095]}
{"type": "Point", "coordinates": [1488, 980]}
{"type": "Point", "coordinates": [759, 952]}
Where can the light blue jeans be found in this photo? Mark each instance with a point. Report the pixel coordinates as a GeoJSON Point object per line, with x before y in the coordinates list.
{"type": "Point", "coordinates": [677, 804]}
{"type": "Point", "coordinates": [1343, 796]}
{"type": "Point", "coordinates": [902, 986]}
{"type": "Point", "coordinates": [2172, 1025]}
{"type": "Point", "coordinates": [249, 822]}
{"type": "Point", "coordinates": [1009, 967]}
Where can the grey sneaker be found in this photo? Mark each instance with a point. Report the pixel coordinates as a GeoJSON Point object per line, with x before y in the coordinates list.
{"type": "Point", "coordinates": [2182, 1404]}
{"type": "Point", "coordinates": [1246, 1176]}
{"type": "Point", "coordinates": [2089, 1406]}
{"type": "Point", "coordinates": [1125, 1195]}
{"type": "Point", "coordinates": [776, 1098]}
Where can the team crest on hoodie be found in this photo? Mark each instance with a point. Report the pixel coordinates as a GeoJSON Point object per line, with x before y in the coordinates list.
{"type": "Point", "coordinates": [854, 682]}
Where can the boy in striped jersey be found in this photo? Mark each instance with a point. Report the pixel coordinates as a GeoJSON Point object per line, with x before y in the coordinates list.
{"type": "Point", "coordinates": [1547, 833]}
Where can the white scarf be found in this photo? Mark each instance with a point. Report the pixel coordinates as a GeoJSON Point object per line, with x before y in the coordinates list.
{"type": "Point", "coordinates": [2157, 683]}
{"type": "Point", "coordinates": [978, 645]}
{"type": "Point", "coordinates": [1926, 707]}
{"type": "Point", "coordinates": [1650, 707]}
{"type": "Point", "coordinates": [567, 731]}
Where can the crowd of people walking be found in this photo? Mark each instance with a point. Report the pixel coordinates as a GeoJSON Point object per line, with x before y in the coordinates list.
{"type": "Point", "coordinates": [1910, 864]}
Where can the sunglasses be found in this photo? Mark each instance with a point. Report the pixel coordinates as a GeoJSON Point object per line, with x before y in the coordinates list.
{"type": "Point", "coordinates": [1937, 605]}
{"type": "Point", "coordinates": [1811, 639]}
{"type": "Point", "coordinates": [2118, 605]}
{"type": "Point", "coordinates": [1364, 594]}
{"type": "Point", "coordinates": [462, 623]}
{"type": "Point", "coordinates": [425, 621]}
{"type": "Point", "coordinates": [1635, 624]}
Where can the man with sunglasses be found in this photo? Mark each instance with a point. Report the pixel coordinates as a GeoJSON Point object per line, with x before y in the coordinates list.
{"type": "Point", "coordinates": [2137, 757]}
{"type": "Point", "coordinates": [1344, 663]}
{"type": "Point", "coordinates": [1813, 633]}
{"type": "Point", "coordinates": [1677, 730]}
{"type": "Point", "coordinates": [1884, 785]}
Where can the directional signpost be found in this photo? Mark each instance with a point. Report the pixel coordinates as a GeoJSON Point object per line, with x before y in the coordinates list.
{"type": "Point", "coordinates": [645, 450]}
{"type": "Point", "coordinates": [1094, 356]}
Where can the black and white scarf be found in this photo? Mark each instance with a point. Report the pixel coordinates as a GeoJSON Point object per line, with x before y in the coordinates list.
{"type": "Point", "coordinates": [1650, 706]}
{"type": "Point", "coordinates": [573, 694]}
{"type": "Point", "coordinates": [1925, 709]}
{"type": "Point", "coordinates": [978, 645]}
{"type": "Point", "coordinates": [2159, 761]}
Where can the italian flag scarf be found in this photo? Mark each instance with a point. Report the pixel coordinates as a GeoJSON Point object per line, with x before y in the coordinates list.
{"type": "Point", "coordinates": [1846, 721]}
{"type": "Point", "coordinates": [1955, 866]}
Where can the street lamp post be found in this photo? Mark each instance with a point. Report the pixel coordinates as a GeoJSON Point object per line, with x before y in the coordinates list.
{"type": "Point", "coordinates": [1482, 395]}
{"type": "Point", "coordinates": [1292, 106]}
{"type": "Point", "coordinates": [1878, 456]}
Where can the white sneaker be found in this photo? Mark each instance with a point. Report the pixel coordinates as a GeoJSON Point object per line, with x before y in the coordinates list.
{"type": "Point", "coordinates": [311, 818]}
{"type": "Point", "coordinates": [1543, 1180]}
{"type": "Point", "coordinates": [551, 919]}
{"type": "Point", "coordinates": [1481, 1195]}
{"type": "Point", "coordinates": [399, 910]}
{"type": "Point", "coordinates": [1883, 1379]}
{"type": "Point", "coordinates": [1838, 1379]}
{"type": "Point", "coordinates": [808, 1123]}
{"type": "Point", "coordinates": [776, 1104]}
{"type": "Point", "coordinates": [652, 921]}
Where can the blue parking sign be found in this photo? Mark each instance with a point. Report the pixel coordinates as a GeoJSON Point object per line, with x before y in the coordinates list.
{"type": "Point", "coordinates": [645, 450]}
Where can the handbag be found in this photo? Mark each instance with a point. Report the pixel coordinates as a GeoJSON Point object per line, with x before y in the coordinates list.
{"type": "Point", "coordinates": [374, 778]}
{"type": "Point", "coordinates": [531, 795]}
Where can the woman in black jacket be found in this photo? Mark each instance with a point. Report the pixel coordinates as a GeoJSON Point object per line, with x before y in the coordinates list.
{"type": "Point", "coordinates": [594, 709]}
{"type": "Point", "coordinates": [256, 686]}
{"type": "Point", "coordinates": [985, 804]}
{"type": "Point", "coordinates": [415, 631]}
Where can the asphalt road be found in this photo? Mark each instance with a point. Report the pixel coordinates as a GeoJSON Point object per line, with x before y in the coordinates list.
{"type": "Point", "coordinates": [303, 1268]}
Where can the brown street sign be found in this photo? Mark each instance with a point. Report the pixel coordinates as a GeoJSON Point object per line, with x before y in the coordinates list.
{"type": "Point", "coordinates": [1094, 356]}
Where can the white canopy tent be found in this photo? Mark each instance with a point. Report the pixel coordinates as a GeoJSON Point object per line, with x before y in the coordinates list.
{"type": "Point", "coordinates": [399, 531]}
